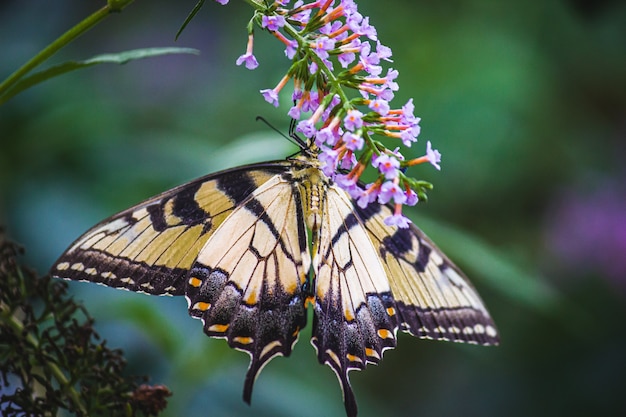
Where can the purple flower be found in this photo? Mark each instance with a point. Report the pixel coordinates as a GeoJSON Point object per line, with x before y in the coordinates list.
{"type": "Point", "coordinates": [433, 155]}
{"type": "Point", "coordinates": [349, 7]}
{"type": "Point", "coordinates": [349, 184]}
{"type": "Point", "coordinates": [353, 20]}
{"type": "Point", "coordinates": [326, 135]}
{"type": "Point", "coordinates": [339, 30]}
{"type": "Point", "coordinates": [411, 197]}
{"type": "Point", "coordinates": [388, 166]}
{"type": "Point", "coordinates": [386, 94]}
{"type": "Point", "coordinates": [270, 96]}
{"type": "Point", "coordinates": [348, 161]}
{"type": "Point", "coordinates": [345, 181]}
{"type": "Point", "coordinates": [367, 29]}
{"type": "Point", "coordinates": [297, 93]}
{"type": "Point", "coordinates": [311, 102]}
{"type": "Point", "coordinates": [322, 45]}
{"type": "Point", "coordinates": [361, 26]}
{"type": "Point", "coordinates": [329, 28]}
{"type": "Point", "coordinates": [348, 56]}
{"type": "Point", "coordinates": [222, 2]}
{"type": "Point", "coordinates": [390, 190]}
{"type": "Point", "coordinates": [294, 112]}
{"type": "Point", "coordinates": [346, 59]}
{"type": "Point", "coordinates": [383, 52]}
{"type": "Point", "coordinates": [397, 154]}
{"type": "Point", "coordinates": [409, 119]}
{"type": "Point", "coordinates": [307, 128]}
{"type": "Point", "coordinates": [249, 59]}
{"type": "Point", "coordinates": [370, 68]}
{"type": "Point", "coordinates": [397, 220]}
{"type": "Point", "coordinates": [379, 106]}
{"type": "Point", "coordinates": [367, 196]}
{"type": "Point", "coordinates": [291, 49]}
{"type": "Point", "coordinates": [415, 129]}
{"type": "Point", "coordinates": [352, 141]}
{"type": "Point", "coordinates": [369, 60]}
{"type": "Point", "coordinates": [355, 191]}
{"type": "Point", "coordinates": [407, 137]}
{"type": "Point", "coordinates": [302, 17]}
{"type": "Point", "coordinates": [408, 108]}
{"type": "Point", "coordinates": [328, 159]}
{"type": "Point", "coordinates": [273, 23]}
{"type": "Point", "coordinates": [353, 120]}
{"type": "Point", "coordinates": [392, 74]}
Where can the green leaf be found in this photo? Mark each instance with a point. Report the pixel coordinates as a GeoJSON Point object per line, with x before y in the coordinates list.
{"type": "Point", "coordinates": [117, 58]}
{"type": "Point", "coordinates": [190, 16]}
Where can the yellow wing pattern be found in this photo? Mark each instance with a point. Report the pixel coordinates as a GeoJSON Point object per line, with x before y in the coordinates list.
{"type": "Point", "coordinates": [150, 247]}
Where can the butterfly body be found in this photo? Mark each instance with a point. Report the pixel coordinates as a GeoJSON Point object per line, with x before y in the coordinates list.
{"type": "Point", "coordinates": [236, 244]}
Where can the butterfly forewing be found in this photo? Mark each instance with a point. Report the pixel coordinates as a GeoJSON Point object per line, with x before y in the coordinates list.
{"type": "Point", "coordinates": [150, 247]}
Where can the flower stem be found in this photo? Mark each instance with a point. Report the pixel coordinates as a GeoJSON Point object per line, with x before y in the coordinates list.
{"type": "Point", "coordinates": [83, 26]}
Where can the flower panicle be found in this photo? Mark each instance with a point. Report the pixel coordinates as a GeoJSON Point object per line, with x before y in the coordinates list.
{"type": "Point", "coordinates": [342, 111]}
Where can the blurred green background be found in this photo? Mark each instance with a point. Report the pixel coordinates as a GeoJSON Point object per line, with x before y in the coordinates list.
{"type": "Point", "coordinates": [525, 100]}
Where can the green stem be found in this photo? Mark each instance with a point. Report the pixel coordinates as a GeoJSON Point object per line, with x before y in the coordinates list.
{"type": "Point", "coordinates": [83, 26]}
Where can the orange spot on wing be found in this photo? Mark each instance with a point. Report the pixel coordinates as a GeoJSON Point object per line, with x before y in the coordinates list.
{"type": "Point", "coordinates": [219, 328]}
{"type": "Point", "coordinates": [372, 353]}
{"type": "Point", "coordinates": [243, 340]}
{"type": "Point", "coordinates": [385, 334]}
{"type": "Point", "coordinates": [195, 282]}
{"type": "Point", "coordinates": [353, 358]}
{"type": "Point", "coordinates": [202, 306]}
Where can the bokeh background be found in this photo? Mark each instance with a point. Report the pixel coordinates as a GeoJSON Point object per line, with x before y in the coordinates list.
{"type": "Point", "coordinates": [527, 103]}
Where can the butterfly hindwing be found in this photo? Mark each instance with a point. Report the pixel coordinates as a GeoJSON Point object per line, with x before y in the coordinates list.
{"type": "Point", "coordinates": [246, 284]}
{"type": "Point", "coordinates": [151, 246]}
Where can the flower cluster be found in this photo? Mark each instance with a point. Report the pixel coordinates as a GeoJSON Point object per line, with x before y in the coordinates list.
{"type": "Point", "coordinates": [320, 36]}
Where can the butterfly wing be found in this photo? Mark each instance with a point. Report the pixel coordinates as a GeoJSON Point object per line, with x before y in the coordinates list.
{"type": "Point", "coordinates": [246, 283]}
{"type": "Point", "coordinates": [354, 316]}
{"type": "Point", "coordinates": [433, 298]}
{"type": "Point", "coordinates": [151, 246]}
{"type": "Point", "coordinates": [235, 244]}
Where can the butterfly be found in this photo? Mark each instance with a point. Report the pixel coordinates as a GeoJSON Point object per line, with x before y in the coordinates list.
{"type": "Point", "coordinates": [252, 248]}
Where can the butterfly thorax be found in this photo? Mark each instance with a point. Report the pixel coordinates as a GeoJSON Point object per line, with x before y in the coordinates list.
{"type": "Point", "coordinates": [312, 184]}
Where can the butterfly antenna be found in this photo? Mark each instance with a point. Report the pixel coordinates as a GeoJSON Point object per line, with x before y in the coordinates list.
{"type": "Point", "coordinates": [293, 138]}
{"type": "Point", "coordinates": [293, 135]}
